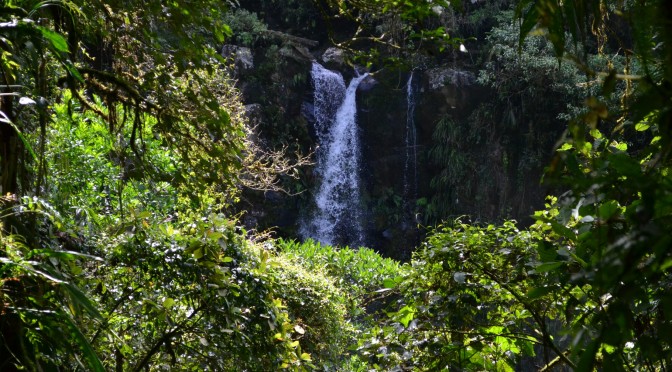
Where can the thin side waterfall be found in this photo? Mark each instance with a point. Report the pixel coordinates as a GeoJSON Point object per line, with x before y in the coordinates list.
{"type": "Point", "coordinates": [337, 218]}
{"type": "Point", "coordinates": [411, 145]}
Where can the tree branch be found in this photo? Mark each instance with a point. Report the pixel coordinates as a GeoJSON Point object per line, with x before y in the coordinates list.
{"type": "Point", "coordinates": [165, 338]}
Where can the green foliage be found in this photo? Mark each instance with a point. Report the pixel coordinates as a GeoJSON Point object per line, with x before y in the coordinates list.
{"type": "Point", "coordinates": [40, 299]}
{"type": "Point", "coordinates": [175, 285]}
{"type": "Point", "coordinates": [139, 155]}
{"type": "Point", "coordinates": [195, 292]}
{"type": "Point", "coordinates": [318, 305]}
{"type": "Point", "coordinates": [158, 68]}
{"type": "Point", "coordinates": [128, 262]}
{"type": "Point", "coordinates": [389, 32]}
{"type": "Point", "coordinates": [245, 26]}
{"type": "Point", "coordinates": [359, 272]}
{"type": "Point", "coordinates": [486, 161]}
{"type": "Point", "coordinates": [587, 285]}
{"type": "Point", "coordinates": [529, 69]}
{"type": "Point", "coordinates": [296, 16]}
{"type": "Point", "coordinates": [617, 215]}
{"type": "Point", "coordinates": [465, 303]}
{"type": "Point", "coordinates": [389, 206]}
{"type": "Point", "coordinates": [553, 294]}
{"type": "Point", "coordinates": [364, 281]}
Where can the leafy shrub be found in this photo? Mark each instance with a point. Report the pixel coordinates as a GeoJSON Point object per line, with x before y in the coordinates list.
{"type": "Point", "coordinates": [363, 281]}
{"type": "Point", "coordinates": [460, 306]}
{"type": "Point", "coordinates": [359, 272]}
{"type": "Point", "coordinates": [246, 27]}
{"type": "Point", "coordinates": [317, 307]}
{"type": "Point", "coordinates": [42, 304]}
{"type": "Point", "coordinates": [174, 284]}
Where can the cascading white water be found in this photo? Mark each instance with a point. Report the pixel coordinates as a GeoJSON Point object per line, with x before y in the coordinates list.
{"type": "Point", "coordinates": [328, 96]}
{"type": "Point", "coordinates": [411, 145]}
{"type": "Point", "coordinates": [338, 215]}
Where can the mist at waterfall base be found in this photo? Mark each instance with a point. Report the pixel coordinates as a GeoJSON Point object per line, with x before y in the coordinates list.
{"type": "Point", "coordinates": [337, 218]}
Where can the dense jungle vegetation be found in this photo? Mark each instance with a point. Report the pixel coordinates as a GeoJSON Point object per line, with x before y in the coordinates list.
{"type": "Point", "coordinates": [125, 147]}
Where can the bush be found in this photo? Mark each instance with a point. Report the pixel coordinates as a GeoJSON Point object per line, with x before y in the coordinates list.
{"type": "Point", "coordinates": [366, 279]}
{"type": "Point", "coordinates": [246, 27]}
{"type": "Point", "coordinates": [317, 307]}
{"type": "Point", "coordinates": [458, 307]}
{"type": "Point", "coordinates": [359, 272]}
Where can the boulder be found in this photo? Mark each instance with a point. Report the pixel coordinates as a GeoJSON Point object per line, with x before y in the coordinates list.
{"type": "Point", "coordinates": [441, 76]}
{"type": "Point", "coordinates": [367, 84]}
{"type": "Point", "coordinates": [334, 56]}
{"type": "Point", "coordinates": [240, 56]}
{"type": "Point", "coordinates": [296, 52]}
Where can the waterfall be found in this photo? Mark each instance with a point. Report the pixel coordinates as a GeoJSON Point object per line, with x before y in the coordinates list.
{"type": "Point", "coordinates": [411, 146]}
{"type": "Point", "coordinates": [328, 95]}
{"type": "Point", "coordinates": [337, 218]}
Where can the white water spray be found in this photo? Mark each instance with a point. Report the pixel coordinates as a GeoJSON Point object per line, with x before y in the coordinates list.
{"type": "Point", "coordinates": [328, 96]}
{"type": "Point", "coordinates": [338, 215]}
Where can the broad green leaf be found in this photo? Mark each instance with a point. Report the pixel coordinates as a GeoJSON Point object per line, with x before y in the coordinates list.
{"type": "Point", "coordinates": [5, 119]}
{"type": "Point", "coordinates": [537, 292]}
{"type": "Point", "coordinates": [566, 146]}
{"type": "Point", "coordinates": [78, 297]}
{"type": "Point", "coordinates": [642, 126]}
{"type": "Point", "coordinates": [81, 341]}
{"type": "Point", "coordinates": [548, 266]}
{"type": "Point", "coordinates": [406, 314]}
{"type": "Point", "coordinates": [563, 231]}
{"type": "Point", "coordinates": [587, 361]}
{"type": "Point", "coordinates": [526, 346]}
{"type": "Point", "coordinates": [168, 303]}
{"type": "Point", "coordinates": [625, 165]}
{"type": "Point", "coordinates": [608, 209]}
{"type": "Point", "coordinates": [66, 255]}
{"type": "Point", "coordinates": [73, 71]}
{"type": "Point", "coordinates": [57, 40]}
{"type": "Point", "coordinates": [389, 283]}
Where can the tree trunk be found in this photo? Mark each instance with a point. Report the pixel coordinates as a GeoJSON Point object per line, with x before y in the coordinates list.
{"type": "Point", "coordinates": [9, 151]}
{"type": "Point", "coordinates": [10, 323]}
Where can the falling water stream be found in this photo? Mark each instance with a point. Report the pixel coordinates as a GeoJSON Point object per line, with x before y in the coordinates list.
{"type": "Point", "coordinates": [337, 218]}
{"type": "Point", "coordinates": [411, 145]}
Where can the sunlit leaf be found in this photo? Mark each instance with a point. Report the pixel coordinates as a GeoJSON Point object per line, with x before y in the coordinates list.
{"type": "Point", "coordinates": [56, 39]}
{"type": "Point", "coordinates": [168, 302]}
